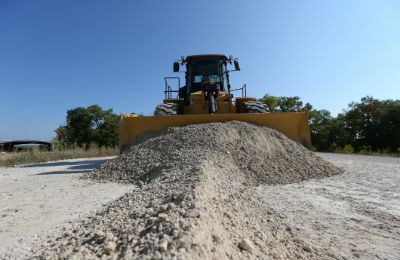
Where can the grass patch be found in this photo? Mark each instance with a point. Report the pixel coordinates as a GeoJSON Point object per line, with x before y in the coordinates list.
{"type": "Point", "coordinates": [36, 156]}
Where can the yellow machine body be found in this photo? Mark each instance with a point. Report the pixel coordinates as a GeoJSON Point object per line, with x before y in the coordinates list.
{"type": "Point", "coordinates": [292, 124]}
{"type": "Point", "coordinates": [211, 102]}
{"type": "Point", "coordinates": [199, 104]}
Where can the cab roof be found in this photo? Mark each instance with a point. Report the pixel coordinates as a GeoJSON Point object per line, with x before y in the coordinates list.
{"type": "Point", "coordinates": [207, 55]}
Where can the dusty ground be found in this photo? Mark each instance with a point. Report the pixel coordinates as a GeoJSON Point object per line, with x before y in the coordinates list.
{"type": "Point", "coordinates": [36, 198]}
{"type": "Point", "coordinates": [355, 215]}
{"type": "Point", "coordinates": [195, 198]}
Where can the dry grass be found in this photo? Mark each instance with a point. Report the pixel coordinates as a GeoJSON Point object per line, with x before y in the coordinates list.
{"type": "Point", "coordinates": [35, 156]}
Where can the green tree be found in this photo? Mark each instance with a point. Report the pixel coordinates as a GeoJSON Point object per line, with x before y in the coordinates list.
{"type": "Point", "coordinates": [61, 133]}
{"type": "Point", "coordinates": [390, 125]}
{"type": "Point", "coordinates": [108, 131]}
{"type": "Point", "coordinates": [79, 126]}
{"type": "Point", "coordinates": [287, 104]}
{"type": "Point", "coordinates": [337, 132]}
{"type": "Point", "coordinates": [284, 104]}
{"type": "Point", "coordinates": [58, 141]}
{"type": "Point", "coordinates": [308, 106]}
{"type": "Point", "coordinates": [320, 124]}
{"type": "Point", "coordinates": [271, 102]}
{"type": "Point", "coordinates": [363, 122]}
{"type": "Point", "coordinates": [91, 125]}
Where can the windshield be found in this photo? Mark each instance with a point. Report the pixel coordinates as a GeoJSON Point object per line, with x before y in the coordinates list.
{"type": "Point", "coordinates": [206, 69]}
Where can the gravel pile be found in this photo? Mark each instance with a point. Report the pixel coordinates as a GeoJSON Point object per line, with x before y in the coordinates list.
{"type": "Point", "coordinates": [261, 154]}
{"type": "Point", "coordinates": [196, 198]}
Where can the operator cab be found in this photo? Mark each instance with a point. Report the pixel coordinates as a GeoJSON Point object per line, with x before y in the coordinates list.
{"type": "Point", "coordinates": [207, 72]}
{"type": "Point", "coordinates": [204, 72]}
{"type": "Point", "coordinates": [206, 69]}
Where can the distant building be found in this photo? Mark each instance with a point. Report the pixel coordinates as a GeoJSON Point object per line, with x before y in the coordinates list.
{"type": "Point", "coordinates": [10, 146]}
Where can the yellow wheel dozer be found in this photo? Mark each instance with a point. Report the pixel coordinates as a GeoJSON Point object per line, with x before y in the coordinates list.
{"type": "Point", "coordinates": [206, 98]}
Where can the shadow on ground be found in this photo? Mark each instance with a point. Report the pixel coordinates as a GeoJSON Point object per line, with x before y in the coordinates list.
{"type": "Point", "coordinates": [64, 163]}
{"type": "Point", "coordinates": [63, 172]}
{"type": "Point", "coordinates": [77, 167]}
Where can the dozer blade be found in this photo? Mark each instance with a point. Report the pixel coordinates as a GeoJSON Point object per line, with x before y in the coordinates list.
{"type": "Point", "coordinates": [293, 124]}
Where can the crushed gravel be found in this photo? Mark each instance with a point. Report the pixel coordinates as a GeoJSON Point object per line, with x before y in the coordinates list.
{"type": "Point", "coordinates": [261, 154]}
{"type": "Point", "coordinates": [196, 198]}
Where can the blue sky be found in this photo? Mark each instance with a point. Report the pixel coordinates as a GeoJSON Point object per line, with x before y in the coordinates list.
{"type": "Point", "coordinates": [58, 55]}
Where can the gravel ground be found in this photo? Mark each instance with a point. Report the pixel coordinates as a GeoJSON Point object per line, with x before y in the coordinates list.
{"type": "Point", "coordinates": [351, 216]}
{"type": "Point", "coordinates": [39, 197]}
{"type": "Point", "coordinates": [235, 191]}
{"type": "Point", "coordinates": [196, 197]}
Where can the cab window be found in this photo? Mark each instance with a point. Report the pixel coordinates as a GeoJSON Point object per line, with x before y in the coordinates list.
{"type": "Point", "coordinates": [225, 79]}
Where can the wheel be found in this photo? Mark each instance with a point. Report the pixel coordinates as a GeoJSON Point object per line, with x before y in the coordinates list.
{"type": "Point", "coordinates": [255, 107]}
{"type": "Point", "coordinates": [167, 109]}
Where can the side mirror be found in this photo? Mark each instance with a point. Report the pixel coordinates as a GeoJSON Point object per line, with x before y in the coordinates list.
{"type": "Point", "coordinates": [176, 66]}
{"type": "Point", "coordinates": [237, 65]}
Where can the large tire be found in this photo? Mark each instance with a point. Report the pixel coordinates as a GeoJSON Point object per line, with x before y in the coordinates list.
{"type": "Point", "coordinates": [255, 107]}
{"type": "Point", "coordinates": [167, 109]}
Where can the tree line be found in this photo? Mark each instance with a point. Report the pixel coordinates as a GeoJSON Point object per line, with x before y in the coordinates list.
{"type": "Point", "coordinates": [369, 125]}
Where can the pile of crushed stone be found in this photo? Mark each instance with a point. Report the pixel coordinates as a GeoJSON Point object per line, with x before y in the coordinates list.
{"type": "Point", "coordinates": [262, 155]}
{"type": "Point", "coordinates": [196, 198]}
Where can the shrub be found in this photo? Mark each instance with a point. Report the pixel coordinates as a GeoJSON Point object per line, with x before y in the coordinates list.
{"type": "Point", "coordinates": [348, 149]}
{"type": "Point", "coordinates": [338, 149]}
{"type": "Point", "coordinates": [364, 149]}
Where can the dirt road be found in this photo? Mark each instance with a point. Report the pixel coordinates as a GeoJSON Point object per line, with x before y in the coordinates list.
{"type": "Point", "coordinates": [39, 197]}
{"type": "Point", "coordinates": [355, 215]}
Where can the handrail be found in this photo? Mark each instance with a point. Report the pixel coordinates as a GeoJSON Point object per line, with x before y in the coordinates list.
{"type": "Point", "coordinates": [243, 89]}
{"type": "Point", "coordinates": [168, 90]}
